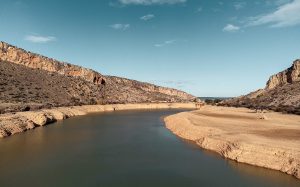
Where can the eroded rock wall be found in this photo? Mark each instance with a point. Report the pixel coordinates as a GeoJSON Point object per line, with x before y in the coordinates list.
{"type": "Point", "coordinates": [289, 75]}
{"type": "Point", "coordinates": [16, 55]}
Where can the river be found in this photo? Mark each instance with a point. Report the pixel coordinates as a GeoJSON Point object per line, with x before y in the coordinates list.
{"type": "Point", "coordinates": [122, 148]}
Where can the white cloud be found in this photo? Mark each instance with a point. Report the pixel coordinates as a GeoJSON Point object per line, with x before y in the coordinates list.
{"type": "Point", "coordinates": [158, 45]}
{"type": "Point", "coordinates": [216, 9]}
{"type": "Point", "coordinates": [285, 15]}
{"type": "Point", "coordinates": [150, 2]}
{"type": "Point", "coordinates": [199, 9]}
{"type": "Point", "coordinates": [168, 42]}
{"type": "Point", "coordinates": [239, 5]}
{"type": "Point", "coordinates": [119, 26]}
{"type": "Point", "coordinates": [39, 39]}
{"type": "Point", "coordinates": [147, 17]}
{"type": "Point", "coordinates": [231, 28]}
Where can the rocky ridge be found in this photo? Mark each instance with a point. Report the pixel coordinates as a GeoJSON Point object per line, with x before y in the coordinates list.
{"type": "Point", "coordinates": [132, 91]}
{"type": "Point", "coordinates": [10, 53]}
{"type": "Point", "coordinates": [281, 94]}
{"type": "Point", "coordinates": [29, 81]}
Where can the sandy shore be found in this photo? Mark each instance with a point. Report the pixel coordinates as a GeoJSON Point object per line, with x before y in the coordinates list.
{"type": "Point", "coordinates": [270, 140]}
{"type": "Point", "coordinates": [11, 124]}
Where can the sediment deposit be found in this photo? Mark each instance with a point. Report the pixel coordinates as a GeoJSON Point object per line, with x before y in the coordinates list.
{"type": "Point", "coordinates": [11, 124]}
{"type": "Point", "coordinates": [270, 140]}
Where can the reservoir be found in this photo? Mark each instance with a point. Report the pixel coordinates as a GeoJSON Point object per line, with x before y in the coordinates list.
{"type": "Point", "coordinates": [121, 148]}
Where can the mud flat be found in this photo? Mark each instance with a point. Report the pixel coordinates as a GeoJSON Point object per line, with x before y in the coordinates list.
{"type": "Point", "coordinates": [11, 124]}
{"type": "Point", "coordinates": [270, 140]}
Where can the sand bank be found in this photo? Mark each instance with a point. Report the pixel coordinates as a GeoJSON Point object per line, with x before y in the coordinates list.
{"type": "Point", "coordinates": [270, 140]}
{"type": "Point", "coordinates": [11, 124]}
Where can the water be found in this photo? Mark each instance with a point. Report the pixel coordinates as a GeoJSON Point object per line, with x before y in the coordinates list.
{"type": "Point", "coordinates": [131, 148]}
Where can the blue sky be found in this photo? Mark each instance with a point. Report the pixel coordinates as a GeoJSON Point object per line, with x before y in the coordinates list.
{"type": "Point", "coordinates": [204, 47]}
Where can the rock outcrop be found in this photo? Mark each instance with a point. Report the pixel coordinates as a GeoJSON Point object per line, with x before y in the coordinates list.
{"type": "Point", "coordinates": [282, 93]}
{"type": "Point", "coordinates": [290, 75]}
{"type": "Point", "coordinates": [16, 55]}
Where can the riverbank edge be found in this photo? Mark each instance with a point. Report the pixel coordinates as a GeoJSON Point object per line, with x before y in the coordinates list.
{"type": "Point", "coordinates": [14, 123]}
{"type": "Point", "coordinates": [181, 126]}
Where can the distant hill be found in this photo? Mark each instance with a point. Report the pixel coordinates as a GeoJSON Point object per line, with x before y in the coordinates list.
{"type": "Point", "coordinates": [282, 93]}
{"type": "Point", "coordinates": [29, 81]}
{"type": "Point", "coordinates": [214, 98]}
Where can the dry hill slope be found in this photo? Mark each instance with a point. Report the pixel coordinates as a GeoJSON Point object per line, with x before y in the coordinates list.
{"type": "Point", "coordinates": [29, 81]}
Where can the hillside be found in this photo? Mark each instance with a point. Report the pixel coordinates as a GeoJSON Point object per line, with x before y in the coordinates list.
{"type": "Point", "coordinates": [282, 93]}
{"type": "Point", "coordinates": [29, 81]}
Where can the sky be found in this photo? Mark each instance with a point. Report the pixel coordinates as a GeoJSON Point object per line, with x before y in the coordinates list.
{"type": "Point", "coordinates": [204, 47]}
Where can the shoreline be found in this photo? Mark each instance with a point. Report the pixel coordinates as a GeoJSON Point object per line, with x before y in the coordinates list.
{"type": "Point", "coordinates": [270, 140]}
{"type": "Point", "coordinates": [14, 123]}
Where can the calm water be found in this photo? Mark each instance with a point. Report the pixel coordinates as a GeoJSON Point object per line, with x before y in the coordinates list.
{"type": "Point", "coordinates": [130, 148]}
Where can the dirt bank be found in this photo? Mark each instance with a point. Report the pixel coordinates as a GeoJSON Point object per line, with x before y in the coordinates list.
{"type": "Point", "coordinates": [11, 124]}
{"type": "Point", "coordinates": [270, 140]}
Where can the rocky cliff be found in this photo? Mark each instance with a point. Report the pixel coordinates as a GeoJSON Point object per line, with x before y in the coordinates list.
{"type": "Point", "coordinates": [290, 75]}
{"type": "Point", "coordinates": [282, 93]}
{"type": "Point", "coordinates": [29, 81]}
{"type": "Point", "coordinates": [16, 55]}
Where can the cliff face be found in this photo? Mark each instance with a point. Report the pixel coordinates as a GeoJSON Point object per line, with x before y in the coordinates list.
{"type": "Point", "coordinates": [282, 93]}
{"type": "Point", "coordinates": [16, 55]}
{"type": "Point", "coordinates": [30, 81]}
{"type": "Point", "coordinates": [290, 75]}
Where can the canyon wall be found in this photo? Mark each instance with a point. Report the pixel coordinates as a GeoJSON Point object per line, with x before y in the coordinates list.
{"type": "Point", "coordinates": [16, 55]}
{"type": "Point", "coordinates": [29, 81]}
{"type": "Point", "coordinates": [10, 53]}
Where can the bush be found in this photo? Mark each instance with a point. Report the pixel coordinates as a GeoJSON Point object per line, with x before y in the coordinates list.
{"type": "Point", "coordinates": [93, 101]}
{"type": "Point", "coordinates": [212, 101]}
